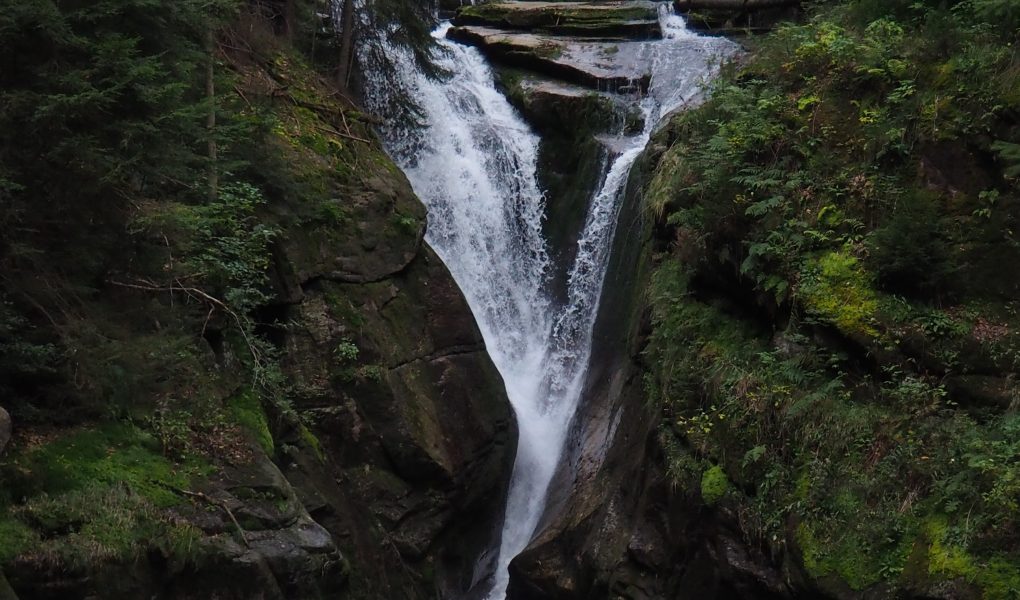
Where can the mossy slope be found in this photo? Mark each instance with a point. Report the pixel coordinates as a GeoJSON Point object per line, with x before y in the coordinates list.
{"type": "Point", "coordinates": [850, 385]}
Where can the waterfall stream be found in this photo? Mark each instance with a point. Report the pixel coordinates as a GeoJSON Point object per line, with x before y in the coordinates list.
{"type": "Point", "coordinates": [473, 162]}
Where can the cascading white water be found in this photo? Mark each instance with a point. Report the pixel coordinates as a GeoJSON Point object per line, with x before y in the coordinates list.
{"type": "Point", "coordinates": [473, 162]}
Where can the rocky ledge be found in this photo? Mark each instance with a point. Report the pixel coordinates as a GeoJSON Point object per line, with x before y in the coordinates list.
{"type": "Point", "coordinates": [600, 65]}
{"type": "Point", "coordinates": [632, 19]}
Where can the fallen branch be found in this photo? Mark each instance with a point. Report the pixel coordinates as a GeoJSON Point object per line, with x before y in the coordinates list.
{"type": "Point", "coordinates": [342, 134]}
{"type": "Point", "coordinates": [243, 97]}
{"type": "Point", "coordinates": [210, 500]}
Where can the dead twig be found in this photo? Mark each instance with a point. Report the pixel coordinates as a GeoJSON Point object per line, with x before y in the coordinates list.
{"type": "Point", "coordinates": [243, 97]}
{"type": "Point", "coordinates": [213, 501]}
{"type": "Point", "coordinates": [342, 134]}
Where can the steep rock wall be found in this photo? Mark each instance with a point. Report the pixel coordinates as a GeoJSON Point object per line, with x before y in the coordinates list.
{"type": "Point", "coordinates": [383, 471]}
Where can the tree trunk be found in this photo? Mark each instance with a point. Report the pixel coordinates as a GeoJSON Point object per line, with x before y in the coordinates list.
{"type": "Point", "coordinates": [346, 44]}
{"type": "Point", "coordinates": [289, 16]}
{"type": "Point", "coordinates": [210, 120]}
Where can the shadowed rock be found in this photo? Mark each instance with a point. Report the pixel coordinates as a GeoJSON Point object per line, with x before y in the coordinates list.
{"type": "Point", "coordinates": [5, 429]}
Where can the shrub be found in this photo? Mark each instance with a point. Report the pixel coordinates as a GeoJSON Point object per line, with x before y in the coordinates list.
{"type": "Point", "coordinates": [909, 251]}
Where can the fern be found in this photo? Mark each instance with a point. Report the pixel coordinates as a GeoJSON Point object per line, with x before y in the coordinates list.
{"type": "Point", "coordinates": [1009, 154]}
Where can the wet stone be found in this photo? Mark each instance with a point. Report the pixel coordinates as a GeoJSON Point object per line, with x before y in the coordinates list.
{"type": "Point", "coordinates": [599, 65]}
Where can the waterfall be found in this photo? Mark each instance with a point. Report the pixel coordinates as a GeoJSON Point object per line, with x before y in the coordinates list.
{"type": "Point", "coordinates": [473, 162]}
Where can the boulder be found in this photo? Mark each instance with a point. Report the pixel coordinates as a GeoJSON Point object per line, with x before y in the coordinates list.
{"type": "Point", "coordinates": [553, 107]}
{"type": "Point", "coordinates": [419, 424]}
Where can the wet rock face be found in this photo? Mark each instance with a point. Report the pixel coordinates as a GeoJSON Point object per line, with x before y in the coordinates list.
{"type": "Point", "coordinates": [571, 156]}
{"type": "Point", "coordinates": [593, 540]}
{"type": "Point", "coordinates": [411, 414]}
{"type": "Point", "coordinates": [615, 527]}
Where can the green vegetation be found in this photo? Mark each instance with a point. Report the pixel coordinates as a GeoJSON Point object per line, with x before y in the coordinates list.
{"type": "Point", "coordinates": [714, 485]}
{"type": "Point", "coordinates": [247, 411]}
{"type": "Point", "coordinates": [835, 323]}
{"type": "Point", "coordinates": [156, 159]}
{"type": "Point", "coordinates": [94, 495]}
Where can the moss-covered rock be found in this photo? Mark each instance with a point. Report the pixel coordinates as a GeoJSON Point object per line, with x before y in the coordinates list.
{"type": "Point", "coordinates": [802, 347]}
{"type": "Point", "coordinates": [636, 18]}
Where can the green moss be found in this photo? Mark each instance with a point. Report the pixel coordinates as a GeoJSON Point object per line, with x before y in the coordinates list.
{"type": "Point", "coordinates": [848, 556]}
{"type": "Point", "coordinates": [714, 485]}
{"type": "Point", "coordinates": [550, 50]}
{"type": "Point", "coordinates": [558, 17]}
{"type": "Point", "coordinates": [802, 490]}
{"type": "Point", "coordinates": [94, 495]}
{"type": "Point", "coordinates": [311, 441]}
{"type": "Point", "coordinates": [15, 538]}
{"type": "Point", "coordinates": [811, 552]}
{"type": "Point", "coordinates": [112, 454]}
{"type": "Point", "coordinates": [246, 410]}
{"type": "Point", "coordinates": [92, 525]}
{"type": "Point", "coordinates": [408, 225]}
{"type": "Point", "coordinates": [997, 576]}
{"type": "Point", "coordinates": [945, 559]}
{"type": "Point", "coordinates": [848, 559]}
{"type": "Point", "coordinates": [343, 307]}
{"type": "Point", "coordinates": [838, 289]}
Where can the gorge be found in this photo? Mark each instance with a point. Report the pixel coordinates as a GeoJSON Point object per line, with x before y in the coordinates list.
{"type": "Point", "coordinates": [509, 300]}
{"type": "Point", "coordinates": [473, 162]}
